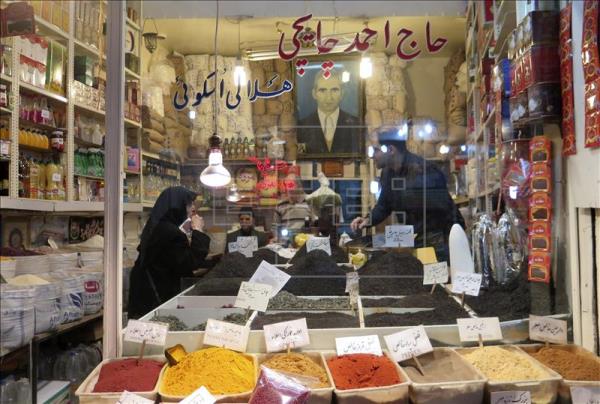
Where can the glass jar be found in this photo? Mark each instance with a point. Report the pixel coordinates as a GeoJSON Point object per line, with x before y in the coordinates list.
{"type": "Point", "coordinates": [57, 141]}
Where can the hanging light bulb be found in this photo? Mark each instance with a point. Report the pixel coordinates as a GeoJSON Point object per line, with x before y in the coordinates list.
{"type": "Point", "coordinates": [215, 175]}
{"type": "Point", "coordinates": [366, 67]}
{"type": "Point", "coordinates": [374, 187]}
{"type": "Point", "coordinates": [192, 114]}
{"type": "Point", "coordinates": [444, 149]}
{"type": "Point", "coordinates": [345, 76]}
{"type": "Point", "coordinates": [239, 74]}
{"type": "Point", "coordinates": [428, 128]}
{"type": "Point", "coordinates": [233, 194]}
{"type": "Point", "coordinates": [463, 148]}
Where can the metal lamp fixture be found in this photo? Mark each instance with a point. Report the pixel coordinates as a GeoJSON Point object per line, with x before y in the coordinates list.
{"type": "Point", "coordinates": [151, 38]}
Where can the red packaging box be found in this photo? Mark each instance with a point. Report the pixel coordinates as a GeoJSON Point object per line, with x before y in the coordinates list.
{"type": "Point", "coordinates": [539, 266]}
{"type": "Point", "coordinates": [540, 234]}
{"type": "Point", "coordinates": [540, 207]}
{"type": "Point", "coordinates": [540, 150]}
{"type": "Point", "coordinates": [541, 178]}
{"type": "Point", "coordinates": [541, 64]}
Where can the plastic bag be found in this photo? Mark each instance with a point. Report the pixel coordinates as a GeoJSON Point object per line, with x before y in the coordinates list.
{"type": "Point", "coordinates": [275, 388]}
{"type": "Point", "coordinates": [483, 248]}
{"type": "Point", "coordinates": [510, 248]}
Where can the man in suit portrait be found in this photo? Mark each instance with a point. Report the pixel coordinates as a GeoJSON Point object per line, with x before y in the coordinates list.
{"type": "Point", "coordinates": [329, 129]}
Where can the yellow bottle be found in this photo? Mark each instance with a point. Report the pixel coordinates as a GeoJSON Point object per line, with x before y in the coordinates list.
{"type": "Point", "coordinates": [4, 135]}
{"type": "Point", "coordinates": [34, 172]}
{"type": "Point", "coordinates": [41, 180]}
{"type": "Point", "coordinates": [22, 136]}
{"type": "Point", "coordinates": [53, 178]}
{"type": "Point", "coordinates": [28, 138]}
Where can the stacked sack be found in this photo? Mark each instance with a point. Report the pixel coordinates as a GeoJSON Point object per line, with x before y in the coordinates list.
{"type": "Point", "coordinates": [275, 112]}
{"type": "Point", "coordinates": [455, 88]}
{"type": "Point", "coordinates": [153, 137]}
{"type": "Point", "coordinates": [178, 129]}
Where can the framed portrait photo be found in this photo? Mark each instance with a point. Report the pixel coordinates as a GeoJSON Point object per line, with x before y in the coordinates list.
{"type": "Point", "coordinates": [329, 108]}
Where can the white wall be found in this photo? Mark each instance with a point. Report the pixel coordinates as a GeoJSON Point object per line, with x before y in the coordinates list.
{"type": "Point", "coordinates": [425, 85]}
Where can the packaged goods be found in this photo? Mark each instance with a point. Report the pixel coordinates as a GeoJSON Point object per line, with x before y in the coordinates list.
{"type": "Point", "coordinates": [499, 364]}
{"type": "Point", "coordinates": [362, 371]}
{"type": "Point", "coordinates": [220, 370]}
{"type": "Point", "coordinates": [17, 317]}
{"type": "Point", "coordinates": [570, 365]}
{"type": "Point", "coordinates": [298, 364]}
{"type": "Point", "coordinates": [275, 388]}
{"type": "Point", "coordinates": [510, 250]}
{"type": "Point", "coordinates": [128, 374]}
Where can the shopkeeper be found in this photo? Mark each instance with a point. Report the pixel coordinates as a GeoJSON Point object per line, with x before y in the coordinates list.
{"type": "Point", "coordinates": [293, 213]}
{"type": "Point", "coordinates": [246, 217]}
{"type": "Point", "coordinates": [165, 253]}
{"type": "Point", "coordinates": [402, 183]}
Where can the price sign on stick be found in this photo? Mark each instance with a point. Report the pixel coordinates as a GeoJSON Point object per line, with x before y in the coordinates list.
{"type": "Point", "coordinates": [233, 247]}
{"type": "Point", "coordinates": [269, 275]}
{"type": "Point", "coordinates": [146, 332]}
{"type": "Point", "coordinates": [435, 273]}
{"type": "Point", "coordinates": [397, 235]}
{"type": "Point", "coordinates": [368, 344]}
{"type": "Point", "coordinates": [200, 396]}
{"type": "Point", "coordinates": [253, 296]}
{"type": "Point", "coordinates": [479, 329]}
{"type": "Point", "coordinates": [226, 335]}
{"type": "Point", "coordinates": [547, 329]}
{"type": "Point", "coordinates": [318, 243]}
{"type": "Point", "coordinates": [351, 281]}
{"type": "Point", "coordinates": [286, 335]}
{"type": "Point", "coordinates": [130, 398]}
{"type": "Point", "coordinates": [408, 344]}
{"type": "Point", "coordinates": [585, 395]}
{"type": "Point", "coordinates": [509, 397]}
{"type": "Point", "coordinates": [468, 284]}
{"type": "Point", "coordinates": [247, 245]}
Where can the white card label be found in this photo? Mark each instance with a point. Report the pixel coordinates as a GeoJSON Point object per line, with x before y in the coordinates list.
{"type": "Point", "coordinates": [318, 243]}
{"type": "Point", "coordinates": [404, 345]}
{"type": "Point", "coordinates": [254, 296]}
{"type": "Point", "coordinates": [226, 335]}
{"type": "Point", "coordinates": [351, 281]}
{"type": "Point", "coordinates": [269, 275]}
{"type": "Point", "coordinates": [130, 398]}
{"type": "Point", "coordinates": [280, 336]}
{"type": "Point", "coordinates": [368, 344]}
{"type": "Point", "coordinates": [151, 332]}
{"type": "Point", "coordinates": [378, 240]}
{"type": "Point", "coordinates": [507, 397]}
{"type": "Point", "coordinates": [232, 247]}
{"type": "Point", "coordinates": [200, 396]}
{"type": "Point", "coordinates": [469, 284]}
{"type": "Point", "coordinates": [435, 273]}
{"type": "Point", "coordinates": [547, 329]}
{"type": "Point", "coordinates": [399, 235]}
{"type": "Point", "coordinates": [56, 177]}
{"type": "Point", "coordinates": [585, 395]}
{"type": "Point", "coordinates": [469, 329]}
{"type": "Point", "coordinates": [247, 245]}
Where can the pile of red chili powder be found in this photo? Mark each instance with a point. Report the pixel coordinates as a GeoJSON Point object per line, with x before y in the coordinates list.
{"type": "Point", "coordinates": [128, 374]}
{"type": "Point", "coordinates": [359, 371]}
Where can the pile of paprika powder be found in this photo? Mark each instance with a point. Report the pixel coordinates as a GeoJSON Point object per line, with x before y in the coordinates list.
{"type": "Point", "coordinates": [358, 371]}
{"type": "Point", "coordinates": [128, 374]}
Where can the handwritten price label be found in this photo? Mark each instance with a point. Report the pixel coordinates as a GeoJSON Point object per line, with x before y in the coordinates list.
{"type": "Point", "coordinates": [253, 296]}
{"type": "Point", "coordinates": [404, 345]}
{"type": "Point", "coordinates": [226, 335]}
{"type": "Point", "coordinates": [269, 275]}
{"type": "Point", "coordinates": [200, 396]}
{"type": "Point", "coordinates": [233, 247]}
{"type": "Point", "coordinates": [469, 284]}
{"type": "Point", "coordinates": [318, 243]}
{"type": "Point", "coordinates": [130, 398]}
{"type": "Point", "coordinates": [398, 235]}
{"type": "Point", "coordinates": [547, 329]}
{"type": "Point", "coordinates": [152, 333]}
{"type": "Point", "coordinates": [280, 336]}
{"type": "Point", "coordinates": [469, 329]}
{"type": "Point", "coordinates": [585, 395]}
{"type": "Point", "coordinates": [435, 273]}
{"type": "Point", "coordinates": [506, 397]}
{"type": "Point", "coordinates": [368, 344]}
{"type": "Point", "coordinates": [247, 245]}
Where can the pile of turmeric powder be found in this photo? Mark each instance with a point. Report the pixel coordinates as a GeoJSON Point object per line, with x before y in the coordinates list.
{"type": "Point", "coordinates": [299, 364]}
{"type": "Point", "coordinates": [220, 370]}
{"type": "Point", "coordinates": [570, 365]}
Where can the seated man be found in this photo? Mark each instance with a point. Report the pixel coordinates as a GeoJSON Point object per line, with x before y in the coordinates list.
{"type": "Point", "coordinates": [246, 217]}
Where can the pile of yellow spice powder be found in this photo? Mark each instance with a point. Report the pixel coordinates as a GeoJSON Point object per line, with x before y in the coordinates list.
{"type": "Point", "coordinates": [499, 364]}
{"type": "Point", "coordinates": [220, 370]}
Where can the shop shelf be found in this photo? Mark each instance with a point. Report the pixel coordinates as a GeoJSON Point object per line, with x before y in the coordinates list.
{"type": "Point", "coordinates": [35, 149]}
{"type": "Point", "coordinates": [42, 91]}
{"type": "Point", "coordinates": [461, 200]}
{"type": "Point", "coordinates": [47, 29]}
{"type": "Point", "coordinates": [89, 177]}
{"type": "Point", "coordinates": [132, 172]}
{"type": "Point", "coordinates": [5, 110]}
{"type": "Point", "coordinates": [132, 207]}
{"type": "Point", "coordinates": [132, 24]}
{"type": "Point", "coordinates": [131, 74]}
{"type": "Point", "coordinates": [89, 109]}
{"type": "Point", "coordinates": [63, 328]}
{"type": "Point", "coordinates": [5, 78]}
{"type": "Point", "coordinates": [30, 124]}
{"type": "Point", "coordinates": [85, 143]}
{"type": "Point", "coordinates": [487, 44]}
{"type": "Point", "coordinates": [87, 49]}
{"type": "Point", "coordinates": [148, 204]}
{"type": "Point", "coordinates": [78, 206]}
{"type": "Point", "coordinates": [39, 205]}
{"type": "Point", "coordinates": [506, 21]}
{"type": "Point", "coordinates": [132, 124]}
{"type": "Point", "coordinates": [158, 157]}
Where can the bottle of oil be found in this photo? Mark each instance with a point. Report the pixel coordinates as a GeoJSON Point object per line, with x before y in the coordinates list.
{"type": "Point", "coordinates": [34, 172]}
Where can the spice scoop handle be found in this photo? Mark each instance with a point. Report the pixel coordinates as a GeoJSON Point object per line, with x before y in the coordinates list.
{"type": "Point", "coordinates": [174, 354]}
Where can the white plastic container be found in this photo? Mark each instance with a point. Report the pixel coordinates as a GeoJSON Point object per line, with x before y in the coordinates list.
{"type": "Point", "coordinates": [63, 261]}
{"type": "Point", "coordinates": [86, 394]}
{"type": "Point", "coordinates": [33, 264]}
{"type": "Point", "coordinates": [91, 258]}
{"type": "Point", "coordinates": [321, 395]}
{"type": "Point", "coordinates": [71, 297]}
{"type": "Point", "coordinates": [396, 393]}
{"type": "Point", "coordinates": [17, 315]}
{"type": "Point", "coordinates": [93, 291]}
{"type": "Point", "coordinates": [47, 307]}
{"type": "Point", "coordinates": [8, 268]}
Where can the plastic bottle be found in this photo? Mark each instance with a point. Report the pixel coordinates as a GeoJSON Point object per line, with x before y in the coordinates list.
{"type": "Point", "coordinates": [22, 136]}
{"type": "Point", "coordinates": [42, 179]}
{"type": "Point", "coordinates": [53, 178]}
{"type": "Point", "coordinates": [21, 176]}
{"type": "Point", "coordinates": [26, 168]}
{"type": "Point", "coordinates": [62, 195]}
{"type": "Point", "coordinates": [34, 172]}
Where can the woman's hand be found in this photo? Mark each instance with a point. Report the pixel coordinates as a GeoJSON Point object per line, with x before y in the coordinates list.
{"type": "Point", "coordinates": [197, 223]}
{"type": "Point", "coordinates": [359, 223]}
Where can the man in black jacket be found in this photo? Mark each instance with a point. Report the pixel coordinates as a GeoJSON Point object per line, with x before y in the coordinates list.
{"type": "Point", "coordinates": [329, 129]}
{"type": "Point", "coordinates": [414, 190]}
{"type": "Point", "coordinates": [246, 229]}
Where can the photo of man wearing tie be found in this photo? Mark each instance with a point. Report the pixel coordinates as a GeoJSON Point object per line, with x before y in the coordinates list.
{"type": "Point", "coordinates": [329, 131]}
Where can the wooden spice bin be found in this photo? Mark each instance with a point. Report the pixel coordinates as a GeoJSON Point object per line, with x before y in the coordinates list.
{"type": "Point", "coordinates": [564, 389]}
{"type": "Point", "coordinates": [542, 390]}
{"type": "Point", "coordinates": [224, 398]}
{"type": "Point", "coordinates": [86, 394]}
{"type": "Point", "coordinates": [321, 395]}
{"type": "Point", "coordinates": [469, 390]}
{"type": "Point", "coordinates": [396, 393]}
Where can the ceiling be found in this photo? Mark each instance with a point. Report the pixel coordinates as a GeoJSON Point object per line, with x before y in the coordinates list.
{"type": "Point", "coordinates": [196, 35]}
